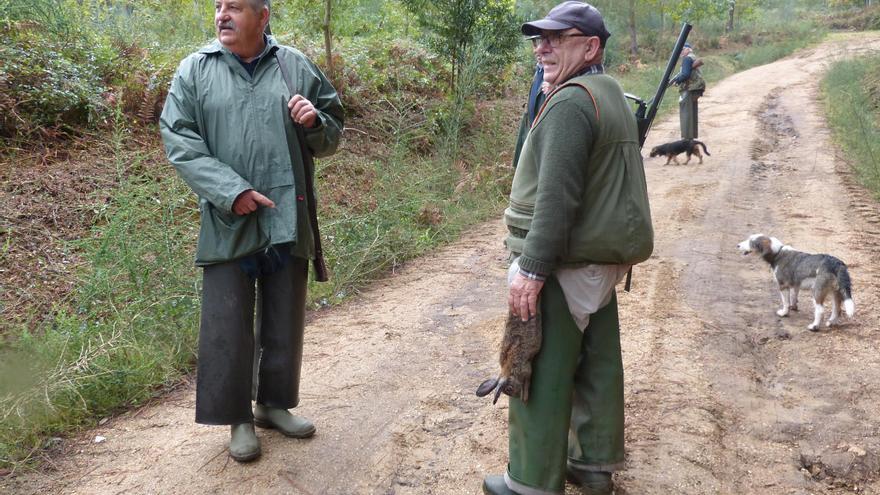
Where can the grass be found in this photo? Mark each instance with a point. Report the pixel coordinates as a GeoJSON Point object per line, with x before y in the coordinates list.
{"type": "Point", "coordinates": [129, 329]}
{"type": "Point", "coordinates": [851, 90]}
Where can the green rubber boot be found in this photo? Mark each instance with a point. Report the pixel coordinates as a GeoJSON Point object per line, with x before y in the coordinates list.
{"type": "Point", "coordinates": [281, 420]}
{"type": "Point", "coordinates": [495, 485]}
{"type": "Point", "coordinates": [244, 446]}
{"type": "Point", "coordinates": [590, 482]}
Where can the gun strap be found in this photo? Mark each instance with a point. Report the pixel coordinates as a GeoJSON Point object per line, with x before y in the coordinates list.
{"type": "Point", "coordinates": [569, 83]}
{"type": "Point", "coordinates": [321, 274]}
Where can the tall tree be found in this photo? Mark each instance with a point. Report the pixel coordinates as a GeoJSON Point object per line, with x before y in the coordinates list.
{"type": "Point", "coordinates": [633, 39]}
{"type": "Point", "coordinates": [731, 7]}
{"type": "Point", "coordinates": [740, 9]}
{"type": "Point", "coordinates": [453, 25]}
{"type": "Point", "coordinates": [697, 10]}
{"type": "Point", "coordinates": [328, 43]}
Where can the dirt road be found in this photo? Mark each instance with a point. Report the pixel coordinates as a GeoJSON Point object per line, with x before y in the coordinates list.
{"type": "Point", "coordinates": [722, 395]}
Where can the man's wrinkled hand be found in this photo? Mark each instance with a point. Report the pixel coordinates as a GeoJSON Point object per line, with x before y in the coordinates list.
{"type": "Point", "coordinates": [523, 297]}
{"type": "Point", "coordinates": [302, 111]}
{"type": "Point", "coordinates": [249, 201]}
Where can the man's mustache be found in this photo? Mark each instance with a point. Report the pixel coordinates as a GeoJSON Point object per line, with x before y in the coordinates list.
{"type": "Point", "coordinates": [226, 25]}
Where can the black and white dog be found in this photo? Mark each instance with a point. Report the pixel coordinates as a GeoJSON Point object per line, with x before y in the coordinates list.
{"type": "Point", "coordinates": [794, 270]}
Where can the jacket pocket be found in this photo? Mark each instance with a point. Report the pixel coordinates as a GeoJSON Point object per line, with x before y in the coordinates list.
{"type": "Point", "coordinates": [225, 237]}
{"type": "Point", "coordinates": [279, 176]}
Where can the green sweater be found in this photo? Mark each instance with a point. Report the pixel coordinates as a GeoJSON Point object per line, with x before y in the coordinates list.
{"type": "Point", "coordinates": [579, 194]}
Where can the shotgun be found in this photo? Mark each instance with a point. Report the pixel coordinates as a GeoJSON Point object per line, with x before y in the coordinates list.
{"type": "Point", "coordinates": [646, 111]}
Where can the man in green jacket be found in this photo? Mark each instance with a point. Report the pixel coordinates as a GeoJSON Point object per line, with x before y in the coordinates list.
{"type": "Point", "coordinates": [578, 218]}
{"type": "Point", "coordinates": [228, 127]}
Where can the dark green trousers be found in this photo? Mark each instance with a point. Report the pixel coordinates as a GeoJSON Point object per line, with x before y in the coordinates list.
{"type": "Point", "coordinates": [227, 355]}
{"type": "Point", "coordinates": [575, 409]}
{"type": "Point", "coordinates": [687, 114]}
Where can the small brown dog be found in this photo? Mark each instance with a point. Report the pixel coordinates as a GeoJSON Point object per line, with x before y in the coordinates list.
{"type": "Point", "coordinates": [521, 342]}
{"type": "Point", "coordinates": [675, 148]}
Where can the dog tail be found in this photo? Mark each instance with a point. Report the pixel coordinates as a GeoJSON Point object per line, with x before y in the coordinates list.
{"type": "Point", "coordinates": [704, 147]}
{"type": "Point", "coordinates": [845, 287]}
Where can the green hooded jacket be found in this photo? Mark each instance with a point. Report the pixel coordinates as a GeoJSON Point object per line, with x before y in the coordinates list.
{"type": "Point", "coordinates": [226, 132]}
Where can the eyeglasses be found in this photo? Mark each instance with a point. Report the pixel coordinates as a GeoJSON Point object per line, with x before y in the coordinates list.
{"type": "Point", "coordinates": [554, 39]}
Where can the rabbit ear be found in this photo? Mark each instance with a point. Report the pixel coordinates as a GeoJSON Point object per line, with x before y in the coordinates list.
{"type": "Point", "coordinates": [486, 387]}
{"type": "Point", "coordinates": [501, 384]}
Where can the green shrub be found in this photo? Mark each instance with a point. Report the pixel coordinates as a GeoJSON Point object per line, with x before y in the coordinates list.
{"type": "Point", "coordinates": [861, 19]}
{"type": "Point", "coordinates": [48, 83]}
{"type": "Point", "coordinates": [852, 100]}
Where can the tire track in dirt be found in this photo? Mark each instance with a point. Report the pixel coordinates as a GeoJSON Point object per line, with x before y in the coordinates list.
{"type": "Point", "coordinates": [789, 405]}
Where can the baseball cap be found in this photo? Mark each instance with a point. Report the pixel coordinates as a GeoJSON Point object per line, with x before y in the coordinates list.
{"type": "Point", "coordinates": [571, 14]}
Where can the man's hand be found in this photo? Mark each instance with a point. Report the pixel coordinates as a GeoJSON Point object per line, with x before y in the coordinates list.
{"type": "Point", "coordinates": [302, 111]}
{"type": "Point", "coordinates": [249, 201]}
{"type": "Point", "coordinates": [523, 298]}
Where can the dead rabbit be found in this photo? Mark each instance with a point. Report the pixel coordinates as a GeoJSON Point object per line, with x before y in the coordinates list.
{"type": "Point", "coordinates": [522, 340]}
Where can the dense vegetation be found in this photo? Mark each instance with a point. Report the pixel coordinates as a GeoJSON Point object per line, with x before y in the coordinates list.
{"type": "Point", "coordinates": [852, 100]}
{"type": "Point", "coordinates": [98, 231]}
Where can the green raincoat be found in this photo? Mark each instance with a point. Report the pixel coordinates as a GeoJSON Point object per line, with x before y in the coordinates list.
{"type": "Point", "coordinates": [226, 132]}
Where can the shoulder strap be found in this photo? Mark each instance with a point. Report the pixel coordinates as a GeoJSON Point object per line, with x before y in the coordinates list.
{"type": "Point", "coordinates": [567, 84]}
{"type": "Point", "coordinates": [321, 274]}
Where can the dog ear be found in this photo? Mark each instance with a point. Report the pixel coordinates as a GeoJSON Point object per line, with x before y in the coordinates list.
{"type": "Point", "coordinates": [765, 246]}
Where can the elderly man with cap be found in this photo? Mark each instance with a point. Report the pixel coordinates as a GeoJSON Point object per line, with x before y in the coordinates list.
{"type": "Point", "coordinates": [578, 219]}
{"type": "Point", "coordinates": [691, 85]}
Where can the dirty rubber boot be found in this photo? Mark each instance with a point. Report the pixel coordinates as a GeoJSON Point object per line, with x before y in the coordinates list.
{"type": "Point", "coordinates": [244, 445]}
{"type": "Point", "coordinates": [590, 482]}
{"type": "Point", "coordinates": [281, 420]}
{"type": "Point", "coordinates": [495, 485]}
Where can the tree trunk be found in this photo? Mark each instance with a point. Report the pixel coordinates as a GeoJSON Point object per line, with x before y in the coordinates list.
{"type": "Point", "coordinates": [328, 44]}
{"type": "Point", "coordinates": [455, 67]}
{"type": "Point", "coordinates": [633, 39]}
{"type": "Point", "coordinates": [731, 7]}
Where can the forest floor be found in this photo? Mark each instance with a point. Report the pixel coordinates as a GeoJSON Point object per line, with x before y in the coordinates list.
{"type": "Point", "coordinates": [722, 396]}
